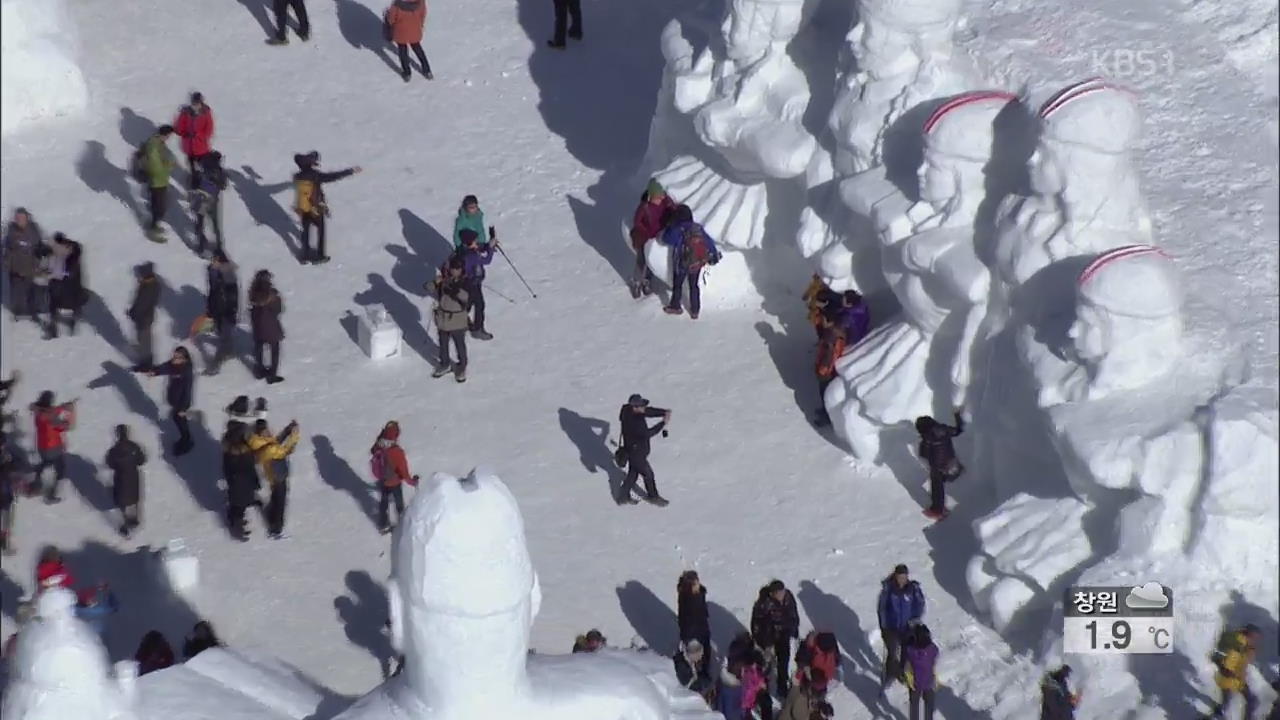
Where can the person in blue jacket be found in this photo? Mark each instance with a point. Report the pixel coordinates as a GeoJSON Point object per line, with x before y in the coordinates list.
{"type": "Point", "coordinates": [900, 608]}
{"type": "Point", "coordinates": [95, 606]}
{"type": "Point", "coordinates": [692, 248]}
{"type": "Point", "coordinates": [475, 256]}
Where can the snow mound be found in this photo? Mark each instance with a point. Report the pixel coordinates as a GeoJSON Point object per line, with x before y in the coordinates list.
{"type": "Point", "coordinates": [39, 75]}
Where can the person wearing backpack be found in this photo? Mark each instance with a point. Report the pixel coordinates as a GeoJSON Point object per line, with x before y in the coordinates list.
{"type": "Point", "coordinates": [281, 8]}
{"type": "Point", "coordinates": [390, 470]}
{"type": "Point", "coordinates": [157, 163]}
{"type": "Point", "coordinates": [403, 23]}
{"type": "Point", "coordinates": [692, 249]}
{"type": "Point", "coordinates": [450, 315]}
{"type": "Point", "coordinates": [125, 459]}
{"type": "Point", "coordinates": [475, 257]}
{"type": "Point", "coordinates": [937, 450]}
{"type": "Point", "coordinates": [1232, 656]}
{"type": "Point", "coordinates": [920, 658]}
{"type": "Point", "coordinates": [194, 126]}
{"type": "Point", "coordinates": [651, 216]}
{"type": "Point", "coordinates": [309, 202]}
{"type": "Point", "coordinates": [206, 200]}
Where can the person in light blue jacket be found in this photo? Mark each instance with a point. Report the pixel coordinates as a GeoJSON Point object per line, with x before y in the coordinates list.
{"type": "Point", "coordinates": [96, 605]}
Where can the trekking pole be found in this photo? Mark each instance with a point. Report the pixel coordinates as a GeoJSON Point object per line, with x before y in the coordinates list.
{"type": "Point", "coordinates": [517, 272]}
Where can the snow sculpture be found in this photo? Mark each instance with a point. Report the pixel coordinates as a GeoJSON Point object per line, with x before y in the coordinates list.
{"type": "Point", "coordinates": [60, 669]}
{"type": "Point", "coordinates": [930, 264]}
{"type": "Point", "coordinates": [181, 569]}
{"type": "Point", "coordinates": [39, 76]}
{"type": "Point", "coordinates": [227, 684]}
{"type": "Point", "coordinates": [378, 334]}
{"type": "Point", "coordinates": [463, 596]}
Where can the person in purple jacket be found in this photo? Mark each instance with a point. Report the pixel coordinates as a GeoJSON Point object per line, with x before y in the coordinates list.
{"type": "Point", "coordinates": [692, 248]}
{"type": "Point", "coordinates": [475, 255]}
{"type": "Point", "coordinates": [921, 658]}
{"type": "Point", "coordinates": [854, 317]}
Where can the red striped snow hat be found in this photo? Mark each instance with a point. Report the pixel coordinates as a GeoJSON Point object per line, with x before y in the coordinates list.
{"type": "Point", "coordinates": [1095, 113]}
{"type": "Point", "coordinates": [964, 126]}
{"type": "Point", "coordinates": [911, 13]}
{"type": "Point", "coordinates": [1134, 280]}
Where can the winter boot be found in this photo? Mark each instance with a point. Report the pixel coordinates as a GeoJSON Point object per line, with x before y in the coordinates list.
{"type": "Point", "coordinates": [673, 310]}
{"type": "Point", "coordinates": [693, 315]}
{"type": "Point", "coordinates": [481, 334]}
{"type": "Point", "coordinates": [406, 75]}
{"type": "Point", "coordinates": [636, 289]}
{"type": "Point", "coordinates": [275, 379]}
{"type": "Point", "coordinates": [278, 41]}
{"type": "Point", "coordinates": [657, 500]}
{"type": "Point", "coordinates": [936, 514]}
{"type": "Point", "coordinates": [460, 375]}
{"type": "Point", "coordinates": [442, 370]}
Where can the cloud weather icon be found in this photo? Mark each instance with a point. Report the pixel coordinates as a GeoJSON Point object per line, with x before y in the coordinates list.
{"type": "Point", "coordinates": [1149, 596]}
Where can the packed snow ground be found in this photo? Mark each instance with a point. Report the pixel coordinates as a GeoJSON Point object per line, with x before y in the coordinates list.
{"type": "Point", "coordinates": [549, 142]}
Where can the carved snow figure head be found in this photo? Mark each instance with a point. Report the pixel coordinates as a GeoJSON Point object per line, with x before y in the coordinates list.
{"type": "Point", "coordinates": [1128, 328]}
{"type": "Point", "coordinates": [958, 139]}
{"type": "Point", "coordinates": [894, 36]}
{"type": "Point", "coordinates": [751, 27]}
{"type": "Point", "coordinates": [463, 593]}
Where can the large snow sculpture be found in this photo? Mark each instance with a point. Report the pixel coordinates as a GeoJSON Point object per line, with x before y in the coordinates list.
{"type": "Point", "coordinates": [226, 684]}
{"type": "Point", "coordinates": [463, 595]}
{"type": "Point", "coordinates": [919, 364]}
{"type": "Point", "coordinates": [39, 76]}
{"type": "Point", "coordinates": [60, 669]}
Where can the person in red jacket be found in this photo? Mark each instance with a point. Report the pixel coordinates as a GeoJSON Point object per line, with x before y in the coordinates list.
{"type": "Point", "coordinates": [819, 651]}
{"type": "Point", "coordinates": [52, 423]}
{"type": "Point", "coordinates": [390, 470]}
{"type": "Point", "coordinates": [51, 571]}
{"type": "Point", "coordinates": [651, 217]}
{"type": "Point", "coordinates": [194, 126]}
{"type": "Point", "coordinates": [830, 347]}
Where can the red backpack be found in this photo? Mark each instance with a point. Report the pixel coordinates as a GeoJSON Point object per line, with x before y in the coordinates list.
{"type": "Point", "coordinates": [695, 248]}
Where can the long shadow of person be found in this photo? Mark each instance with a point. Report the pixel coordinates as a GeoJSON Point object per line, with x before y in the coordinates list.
{"type": "Point", "coordinates": [200, 468]}
{"type": "Point", "coordinates": [259, 10]}
{"type": "Point", "coordinates": [362, 28]}
{"type": "Point", "coordinates": [591, 436]}
{"type": "Point", "coordinates": [862, 669]}
{"type": "Point", "coordinates": [338, 474]}
{"type": "Point", "coordinates": [651, 618]}
{"type": "Point", "coordinates": [126, 383]}
{"type": "Point", "coordinates": [104, 322]}
{"type": "Point", "coordinates": [424, 250]}
{"type": "Point", "coordinates": [100, 175]}
{"type": "Point", "coordinates": [405, 314]}
{"type": "Point", "coordinates": [262, 207]}
{"type": "Point", "coordinates": [725, 625]}
{"type": "Point", "coordinates": [364, 614]}
{"type": "Point", "coordinates": [83, 475]}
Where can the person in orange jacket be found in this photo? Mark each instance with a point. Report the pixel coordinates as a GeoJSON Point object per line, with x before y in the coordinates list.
{"type": "Point", "coordinates": [831, 346]}
{"type": "Point", "coordinates": [390, 470]}
{"type": "Point", "coordinates": [403, 24]}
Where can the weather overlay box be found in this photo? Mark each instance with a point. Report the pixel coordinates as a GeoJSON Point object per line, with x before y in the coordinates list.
{"type": "Point", "coordinates": [1122, 620]}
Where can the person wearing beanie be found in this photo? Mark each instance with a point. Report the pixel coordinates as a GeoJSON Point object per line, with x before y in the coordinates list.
{"type": "Point", "coordinates": [265, 308]}
{"type": "Point", "coordinates": [125, 459]}
{"type": "Point", "coordinates": [453, 301]}
{"type": "Point", "coordinates": [651, 216]}
{"type": "Point", "coordinates": [281, 8]}
{"type": "Point", "coordinates": [179, 394]}
{"type": "Point", "coordinates": [194, 126]}
{"type": "Point", "coordinates": [23, 248]}
{"type": "Point", "coordinates": [403, 23]}
{"type": "Point", "coordinates": [157, 166]}
{"type": "Point", "coordinates": [222, 305]}
{"type": "Point", "coordinates": [63, 267]}
{"type": "Point", "coordinates": [939, 453]}
{"type": "Point", "coordinates": [567, 12]}
{"type": "Point", "coordinates": [390, 470]}
{"type": "Point", "coordinates": [1057, 702]}
{"type": "Point", "coordinates": [309, 201]}
{"type": "Point", "coordinates": [470, 217]}
{"type": "Point", "coordinates": [475, 256]}
{"type": "Point", "coordinates": [899, 608]}
{"type": "Point", "coordinates": [775, 620]}
{"type": "Point", "coordinates": [142, 313]}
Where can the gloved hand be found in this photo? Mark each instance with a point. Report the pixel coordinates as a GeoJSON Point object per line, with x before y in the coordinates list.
{"type": "Point", "coordinates": [715, 258]}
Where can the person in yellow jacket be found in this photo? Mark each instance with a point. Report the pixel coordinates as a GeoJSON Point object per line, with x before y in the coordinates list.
{"type": "Point", "coordinates": [1234, 654]}
{"type": "Point", "coordinates": [272, 453]}
{"type": "Point", "coordinates": [816, 297]}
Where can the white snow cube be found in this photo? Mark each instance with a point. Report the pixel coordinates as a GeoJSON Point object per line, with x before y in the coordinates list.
{"type": "Point", "coordinates": [181, 568]}
{"type": "Point", "coordinates": [379, 335]}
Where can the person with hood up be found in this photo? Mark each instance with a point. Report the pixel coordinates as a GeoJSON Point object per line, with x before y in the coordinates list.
{"type": "Point", "coordinates": [52, 422]}
{"type": "Point", "coordinates": [265, 309]}
{"type": "Point", "coordinates": [310, 204]}
{"type": "Point", "coordinates": [1235, 651]}
{"type": "Point", "coordinates": [920, 660]}
{"type": "Point", "coordinates": [390, 470]}
{"type": "Point", "coordinates": [240, 474]}
{"type": "Point", "coordinates": [692, 249]}
{"type": "Point", "coordinates": [157, 166]}
{"type": "Point", "coordinates": [200, 639]}
{"type": "Point", "coordinates": [125, 459]}
{"type": "Point", "coordinates": [273, 453]}
{"type": "Point", "coordinates": [832, 342]}
{"type": "Point", "coordinates": [222, 305]}
{"type": "Point", "coordinates": [142, 313]}
{"type": "Point", "coordinates": [453, 301]}
{"type": "Point", "coordinates": [194, 126]}
{"type": "Point", "coordinates": [154, 653]}
{"type": "Point", "coordinates": [64, 268]}
{"type": "Point", "coordinates": [633, 419]}
{"type": "Point", "coordinates": [281, 8]}
{"type": "Point", "coordinates": [475, 256]}
{"type": "Point", "coordinates": [651, 216]}
{"type": "Point", "coordinates": [403, 25]}
{"type": "Point", "coordinates": [688, 663]}
{"type": "Point", "coordinates": [804, 697]}
{"type": "Point", "coordinates": [899, 608]}
{"type": "Point", "coordinates": [206, 201]}
{"type": "Point", "coordinates": [1057, 702]}
{"type": "Point", "coordinates": [23, 249]}
{"type": "Point", "coordinates": [470, 217]}
{"type": "Point", "coordinates": [775, 620]}
{"type": "Point", "coordinates": [179, 394]}
{"type": "Point", "coordinates": [938, 452]}
{"type": "Point", "coordinates": [820, 651]}
{"type": "Point", "coordinates": [693, 618]}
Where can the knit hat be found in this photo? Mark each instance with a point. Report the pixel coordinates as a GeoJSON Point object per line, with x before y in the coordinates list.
{"type": "Point", "coordinates": [637, 399]}
{"type": "Point", "coordinates": [1135, 280]}
{"type": "Point", "coordinates": [900, 568]}
{"type": "Point", "coordinates": [468, 236]}
{"type": "Point", "coordinates": [147, 270]}
{"type": "Point", "coordinates": [307, 160]}
{"type": "Point", "coordinates": [655, 188]}
{"type": "Point", "coordinates": [197, 97]}
{"type": "Point", "coordinates": [1093, 113]}
{"type": "Point", "coordinates": [964, 126]}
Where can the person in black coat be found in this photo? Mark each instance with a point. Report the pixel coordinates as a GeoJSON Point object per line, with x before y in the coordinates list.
{"type": "Point", "coordinates": [126, 458]}
{"type": "Point", "coordinates": [240, 472]}
{"type": "Point", "coordinates": [937, 450]}
{"type": "Point", "coordinates": [179, 394]}
{"type": "Point", "coordinates": [635, 447]}
{"type": "Point", "coordinates": [142, 313]}
{"type": "Point", "coordinates": [265, 308]}
{"type": "Point", "coordinates": [201, 638]}
{"type": "Point", "coordinates": [774, 621]}
{"type": "Point", "coordinates": [222, 304]}
{"type": "Point", "coordinates": [693, 618]}
{"type": "Point", "coordinates": [66, 282]}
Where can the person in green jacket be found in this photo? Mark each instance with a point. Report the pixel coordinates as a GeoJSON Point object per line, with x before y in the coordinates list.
{"type": "Point", "coordinates": [158, 162]}
{"type": "Point", "coordinates": [470, 217]}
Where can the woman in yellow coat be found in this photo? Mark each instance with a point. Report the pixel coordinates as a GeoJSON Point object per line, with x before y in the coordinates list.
{"type": "Point", "coordinates": [1234, 654]}
{"type": "Point", "coordinates": [272, 453]}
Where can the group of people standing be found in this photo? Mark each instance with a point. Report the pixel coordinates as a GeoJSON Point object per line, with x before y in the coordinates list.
{"type": "Point", "coordinates": [42, 276]}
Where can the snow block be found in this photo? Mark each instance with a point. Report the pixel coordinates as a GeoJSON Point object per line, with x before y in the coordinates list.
{"type": "Point", "coordinates": [378, 334]}
{"type": "Point", "coordinates": [39, 75]}
{"type": "Point", "coordinates": [181, 568]}
{"type": "Point", "coordinates": [725, 285]}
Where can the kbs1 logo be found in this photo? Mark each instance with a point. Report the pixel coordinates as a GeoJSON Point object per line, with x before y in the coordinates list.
{"type": "Point", "coordinates": [1131, 63]}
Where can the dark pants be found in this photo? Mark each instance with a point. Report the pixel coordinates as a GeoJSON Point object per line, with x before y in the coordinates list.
{"type": "Point", "coordinates": [193, 164]}
{"type": "Point", "coordinates": [642, 275]}
{"type": "Point", "coordinates": [299, 10]}
{"type": "Point", "coordinates": [892, 655]}
{"type": "Point", "coordinates": [1250, 703]}
{"type": "Point", "coordinates": [235, 518]}
{"type": "Point", "coordinates": [142, 333]}
{"type": "Point", "coordinates": [316, 221]}
{"type": "Point", "coordinates": [210, 210]}
{"type": "Point", "coordinates": [384, 500]}
{"type": "Point", "coordinates": [570, 10]}
{"type": "Point", "coordinates": [56, 459]}
{"type": "Point", "coordinates": [764, 705]}
{"type": "Point", "coordinates": [225, 329]}
{"type": "Point", "coordinates": [937, 491]}
{"type": "Point", "coordinates": [459, 338]}
{"type": "Point", "coordinates": [22, 296]}
{"type": "Point", "coordinates": [275, 506]}
{"type": "Point", "coordinates": [914, 697]}
{"type": "Point", "coordinates": [61, 290]}
{"type": "Point", "coordinates": [782, 660]}
{"type": "Point", "coordinates": [159, 197]}
{"type": "Point", "coordinates": [184, 428]}
{"type": "Point", "coordinates": [475, 290]}
{"type": "Point", "coordinates": [638, 467]}
{"type": "Point", "coordinates": [259, 348]}
{"type": "Point", "coordinates": [695, 293]}
{"type": "Point", "coordinates": [403, 50]}
{"type": "Point", "coordinates": [6, 526]}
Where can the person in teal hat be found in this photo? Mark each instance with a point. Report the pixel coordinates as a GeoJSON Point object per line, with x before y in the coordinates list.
{"type": "Point", "coordinates": [470, 217]}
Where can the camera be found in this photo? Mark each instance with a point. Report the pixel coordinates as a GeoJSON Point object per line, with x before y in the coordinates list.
{"type": "Point", "coordinates": [664, 432]}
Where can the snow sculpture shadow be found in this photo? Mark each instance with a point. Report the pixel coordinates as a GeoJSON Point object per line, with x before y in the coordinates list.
{"type": "Point", "coordinates": [338, 474]}
{"type": "Point", "coordinates": [363, 612]}
{"type": "Point", "coordinates": [651, 618]}
{"type": "Point", "coordinates": [404, 311]}
{"type": "Point", "coordinates": [591, 436]}
{"type": "Point", "coordinates": [362, 29]}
